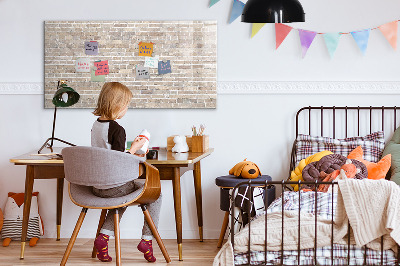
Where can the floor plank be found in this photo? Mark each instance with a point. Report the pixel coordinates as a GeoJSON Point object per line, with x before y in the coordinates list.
{"type": "Point", "coordinates": [49, 252]}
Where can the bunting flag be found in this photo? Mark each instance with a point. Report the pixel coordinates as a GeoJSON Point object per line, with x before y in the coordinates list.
{"type": "Point", "coordinates": [213, 2]}
{"type": "Point", "coordinates": [332, 41]}
{"type": "Point", "coordinates": [389, 30]}
{"type": "Point", "coordinates": [361, 37]}
{"type": "Point", "coordinates": [256, 28]}
{"type": "Point", "coordinates": [306, 39]}
{"type": "Point", "coordinates": [281, 31]}
{"type": "Point", "coordinates": [237, 9]}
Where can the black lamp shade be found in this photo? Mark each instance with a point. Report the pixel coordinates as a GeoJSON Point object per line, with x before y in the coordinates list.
{"type": "Point", "coordinates": [273, 11]}
{"type": "Point", "coordinates": [65, 96]}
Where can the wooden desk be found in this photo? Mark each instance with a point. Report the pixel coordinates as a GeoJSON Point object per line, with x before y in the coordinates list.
{"type": "Point", "coordinates": [171, 167]}
{"type": "Point", "coordinates": [40, 167]}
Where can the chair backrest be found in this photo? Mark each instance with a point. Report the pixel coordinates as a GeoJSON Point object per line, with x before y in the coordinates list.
{"type": "Point", "coordinates": [92, 166]}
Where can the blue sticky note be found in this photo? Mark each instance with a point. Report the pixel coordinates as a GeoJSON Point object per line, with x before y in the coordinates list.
{"type": "Point", "coordinates": [164, 67]}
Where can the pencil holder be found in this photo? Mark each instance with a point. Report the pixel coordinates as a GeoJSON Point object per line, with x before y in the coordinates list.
{"type": "Point", "coordinates": [200, 143]}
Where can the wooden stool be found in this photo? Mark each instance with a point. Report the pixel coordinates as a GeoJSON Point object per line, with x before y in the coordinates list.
{"type": "Point", "coordinates": [226, 183]}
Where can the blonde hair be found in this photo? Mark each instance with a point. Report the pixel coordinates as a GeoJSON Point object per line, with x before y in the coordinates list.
{"type": "Point", "coordinates": [113, 97]}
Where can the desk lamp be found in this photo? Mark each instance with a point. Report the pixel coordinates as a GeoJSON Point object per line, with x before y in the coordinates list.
{"type": "Point", "coordinates": [273, 11]}
{"type": "Point", "coordinates": [65, 96]}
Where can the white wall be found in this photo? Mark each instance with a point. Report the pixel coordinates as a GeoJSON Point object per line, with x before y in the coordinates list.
{"type": "Point", "coordinates": [259, 127]}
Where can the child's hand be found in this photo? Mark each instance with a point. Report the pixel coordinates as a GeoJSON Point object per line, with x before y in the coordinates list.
{"type": "Point", "coordinates": [142, 155]}
{"type": "Point", "coordinates": [137, 144]}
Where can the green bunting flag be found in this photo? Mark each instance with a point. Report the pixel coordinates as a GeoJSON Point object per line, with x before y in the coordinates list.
{"type": "Point", "coordinates": [332, 41]}
{"type": "Point", "coordinates": [213, 2]}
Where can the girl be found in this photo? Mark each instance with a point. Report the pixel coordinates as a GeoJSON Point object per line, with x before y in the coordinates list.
{"type": "Point", "coordinates": [106, 133]}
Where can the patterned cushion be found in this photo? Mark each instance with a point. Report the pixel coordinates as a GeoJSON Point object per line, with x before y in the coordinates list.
{"type": "Point", "coordinates": [372, 144]}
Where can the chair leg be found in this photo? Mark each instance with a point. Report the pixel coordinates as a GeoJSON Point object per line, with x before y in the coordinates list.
{"type": "Point", "coordinates": [154, 230]}
{"type": "Point", "coordinates": [73, 237]}
{"type": "Point", "coordinates": [117, 238]}
{"type": "Point", "coordinates": [101, 222]}
{"type": "Point", "coordinates": [223, 229]}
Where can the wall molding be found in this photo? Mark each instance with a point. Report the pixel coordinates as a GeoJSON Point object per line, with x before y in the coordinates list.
{"type": "Point", "coordinates": [309, 87]}
{"type": "Point", "coordinates": [259, 87]}
{"type": "Point", "coordinates": [22, 88]}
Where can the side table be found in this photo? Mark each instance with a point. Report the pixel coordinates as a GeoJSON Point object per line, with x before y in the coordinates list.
{"type": "Point", "coordinates": [228, 182]}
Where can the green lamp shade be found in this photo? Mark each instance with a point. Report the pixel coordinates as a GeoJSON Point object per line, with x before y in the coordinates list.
{"type": "Point", "coordinates": [65, 96]}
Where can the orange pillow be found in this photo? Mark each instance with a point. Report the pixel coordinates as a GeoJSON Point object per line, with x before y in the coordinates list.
{"type": "Point", "coordinates": [375, 170]}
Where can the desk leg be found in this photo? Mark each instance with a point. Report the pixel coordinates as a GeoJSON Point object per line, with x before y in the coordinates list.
{"type": "Point", "coordinates": [60, 190]}
{"type": "Point", "coordinates": [199, 204]}
{"type": "Point", "coordinates": [176, 182]}
{"type": "Point", "coordinates": [27, 206]}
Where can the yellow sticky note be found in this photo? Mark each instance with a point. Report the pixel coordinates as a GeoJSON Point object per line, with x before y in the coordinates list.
{"type": "Point", "coordinates": [145, 48]}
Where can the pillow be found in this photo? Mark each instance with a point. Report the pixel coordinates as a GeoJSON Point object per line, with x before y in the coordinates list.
{"type": "Point", "coordinates": [372, 144]}
{"type": "Point", "coordinates": [393, 148]}
{"type": "Point", "coordinates": [375, 170]}
{"type": "Point", "coordinates": [296, 174]}
{"type": "Point", "coordinates": [329, 164]}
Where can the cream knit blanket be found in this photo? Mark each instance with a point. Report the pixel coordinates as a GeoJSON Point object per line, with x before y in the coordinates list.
{"type": "Point", "coordinates": [371, 206]}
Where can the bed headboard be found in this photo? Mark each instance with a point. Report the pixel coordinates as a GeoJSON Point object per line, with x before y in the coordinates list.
{"type": "Point", "coordinates": [344, 121]}
{"type": "Point", "coordinates": [344, 118]}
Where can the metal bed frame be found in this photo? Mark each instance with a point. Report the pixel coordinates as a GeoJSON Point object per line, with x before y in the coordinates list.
{"type": "Point", "coordinates": [283, 184]}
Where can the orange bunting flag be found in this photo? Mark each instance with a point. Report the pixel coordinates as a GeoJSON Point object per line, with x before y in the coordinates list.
{"type": "Point", "coordinates": [281, 31]}
{"type": "Point", "coordinates": [389, 30]}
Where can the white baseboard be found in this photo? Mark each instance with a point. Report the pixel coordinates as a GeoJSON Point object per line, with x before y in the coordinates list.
{"type": "Point", "coordinates": [261, 87]}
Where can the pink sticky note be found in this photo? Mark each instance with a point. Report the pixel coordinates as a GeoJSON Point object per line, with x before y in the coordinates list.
{"type": "Point", "coordinates": [102, 68]}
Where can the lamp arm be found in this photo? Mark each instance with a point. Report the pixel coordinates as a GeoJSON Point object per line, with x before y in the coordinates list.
{"type": "Point", "coordinates": [54, 126]}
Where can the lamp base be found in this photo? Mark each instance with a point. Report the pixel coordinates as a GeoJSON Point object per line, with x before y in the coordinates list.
{"type": "Point", "coordinates": [50, 146]}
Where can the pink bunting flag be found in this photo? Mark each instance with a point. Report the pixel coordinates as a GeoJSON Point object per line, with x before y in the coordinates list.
{"type": "Point", "coordinates": [389, 30]}
{"type": "Point", "coordinates": [306, 39]}
{"type": "Point", "coordinates": [281, 31]}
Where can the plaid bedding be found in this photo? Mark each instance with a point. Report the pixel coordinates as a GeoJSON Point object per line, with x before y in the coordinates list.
{"type": "Point", "coordinates": [372, 145]}
{"type": "Point", "coordinates": [322, 207]}
{"type": "Point", "coordinates": [324, 257]}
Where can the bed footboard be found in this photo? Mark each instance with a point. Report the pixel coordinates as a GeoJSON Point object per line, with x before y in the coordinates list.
{"type": "Point", "coordinates": [379, 257]}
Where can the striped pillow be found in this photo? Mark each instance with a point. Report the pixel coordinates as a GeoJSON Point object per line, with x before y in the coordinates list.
{"type": "Point", "coordinates": [372, 145]}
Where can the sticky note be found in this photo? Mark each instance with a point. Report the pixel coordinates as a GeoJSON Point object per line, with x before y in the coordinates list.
{"type": "Point", "coordinates": [142, 72]}
{"type": "Point", "coordinates": [145, 48]}
{"type": "Point", "coordinates": [94, 78]}
{"type": "Point", "coordinates": [102, 67]}
{"type": "Point", "coordinates": [164, 67]}
{"type": "Point", "coordinates": [151, 62]}
{"type": "Point", "coordinates": [82, 65]}
{"type": "Point", "coordinates": [91, 48]}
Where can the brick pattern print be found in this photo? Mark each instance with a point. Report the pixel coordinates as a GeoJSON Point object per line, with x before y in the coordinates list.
{"type": "Point", "coordinates": [191, 47]}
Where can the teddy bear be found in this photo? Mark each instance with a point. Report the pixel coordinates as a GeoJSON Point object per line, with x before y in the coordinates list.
{"type": "Point", "coordinates": [180, 144]}
{"type": "Point", "coordinates": [245, 169]}
{"type": "Point", "coordinates": [13, 215]}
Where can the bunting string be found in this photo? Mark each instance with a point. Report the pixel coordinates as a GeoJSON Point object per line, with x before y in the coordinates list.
{"type": "Point", "coordinates": [361, 37]}
{"type": "Point", "coordinates": [343, 33]}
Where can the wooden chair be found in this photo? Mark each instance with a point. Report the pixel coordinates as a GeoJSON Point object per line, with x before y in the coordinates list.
{"type": "Point", "coordinates": [85, 167]}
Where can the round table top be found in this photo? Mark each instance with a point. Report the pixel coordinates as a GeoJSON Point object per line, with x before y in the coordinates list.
{"type": "Point", "coordinates": [230, 181]}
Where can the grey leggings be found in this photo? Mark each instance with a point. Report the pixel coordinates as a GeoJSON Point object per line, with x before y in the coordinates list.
{"type": "Point", "coordinates": [154, 208]}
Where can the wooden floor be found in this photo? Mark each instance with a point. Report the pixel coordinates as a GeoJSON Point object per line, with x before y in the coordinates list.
{"type": "Point", "coordinates": [50, 252]}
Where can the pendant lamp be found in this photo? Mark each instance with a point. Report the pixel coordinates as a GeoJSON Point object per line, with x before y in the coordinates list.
{"type": "Point", "coordinates": [272, 11]}
{"type": "Point", "coordinates": [64, 97]}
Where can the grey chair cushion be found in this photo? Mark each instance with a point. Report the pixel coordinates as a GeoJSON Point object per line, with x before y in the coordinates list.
{"type": "Point", "coordinates": [99, 167]}
{"type": "Point", "coordinates": [83, 196]}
